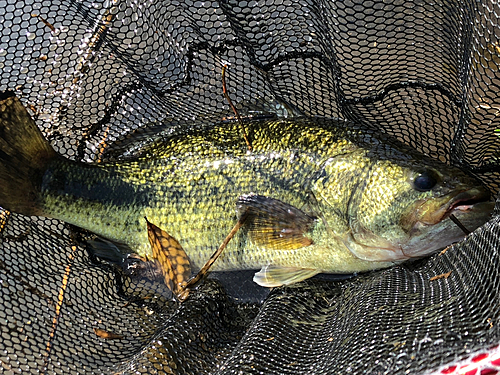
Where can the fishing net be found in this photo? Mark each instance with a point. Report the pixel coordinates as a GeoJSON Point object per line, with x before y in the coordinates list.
{"type": "Point", "coordinates": [95, 75]}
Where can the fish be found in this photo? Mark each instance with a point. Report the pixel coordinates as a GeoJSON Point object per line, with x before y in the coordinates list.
{"type": "Point", "coordinates": [318, 195]}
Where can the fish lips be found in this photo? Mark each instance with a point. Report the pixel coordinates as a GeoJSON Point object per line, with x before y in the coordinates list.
{"type": "Point", "coordinates": [459, 202]}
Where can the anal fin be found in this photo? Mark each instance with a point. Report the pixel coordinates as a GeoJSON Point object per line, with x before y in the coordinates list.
{"type": "Point", "coordinates": [272, 276]}
{"type": "Point", "coordinates": [172, 260]}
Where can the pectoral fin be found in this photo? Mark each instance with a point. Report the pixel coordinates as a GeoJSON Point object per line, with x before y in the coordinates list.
{"type": "Point", "coordinates": [271, 276]}
{"type": "Point", "coordinates": [273, 224]}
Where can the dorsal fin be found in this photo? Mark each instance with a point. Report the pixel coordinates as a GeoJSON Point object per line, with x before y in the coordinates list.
{"type": "Point", "coordinates": [273, 224]}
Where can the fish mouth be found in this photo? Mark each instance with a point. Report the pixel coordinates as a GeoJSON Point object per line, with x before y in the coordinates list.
{"type": "Point", "coordinates": [422, 238]}
{"type": "Point", "coordinates": [431, 231]}
{"type": "Point", "coordinates": [462, 201]}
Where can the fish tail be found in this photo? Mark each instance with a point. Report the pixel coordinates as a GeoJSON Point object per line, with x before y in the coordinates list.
{"type": "Point", "coordinates": [24, 157]}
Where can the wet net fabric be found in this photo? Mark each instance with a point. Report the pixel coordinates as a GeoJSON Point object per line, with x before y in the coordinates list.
{"type": "Point", "coordinates": [96, 74]}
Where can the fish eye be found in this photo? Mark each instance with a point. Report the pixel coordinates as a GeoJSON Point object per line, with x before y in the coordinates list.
{"type": "Point", "coordinates": [425, 180]}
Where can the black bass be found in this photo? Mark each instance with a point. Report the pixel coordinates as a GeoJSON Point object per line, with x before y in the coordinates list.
{"type": "Point", "coordinates": [319, 195]}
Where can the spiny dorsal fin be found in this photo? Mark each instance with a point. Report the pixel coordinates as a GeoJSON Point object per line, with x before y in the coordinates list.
{"type": "Point", "coordinates": [273, 224]}
{"type": "Point", "coordinates": [272, 276]}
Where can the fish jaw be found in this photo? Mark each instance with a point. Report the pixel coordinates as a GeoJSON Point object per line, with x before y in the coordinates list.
{"type": "Point", "coordinates": [429, 228]}
{"type": "Point", "coordinates": [433, 237]}
{"type": "Point", "coordinates": [432, 212]}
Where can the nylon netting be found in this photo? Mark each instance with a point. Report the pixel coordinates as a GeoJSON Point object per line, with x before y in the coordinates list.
{"type": "Point", "coordinates": [103, 72]}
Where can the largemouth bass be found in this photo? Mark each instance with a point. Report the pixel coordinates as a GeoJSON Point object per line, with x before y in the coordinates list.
{"type": "Point", "coordinates": [319, 195]}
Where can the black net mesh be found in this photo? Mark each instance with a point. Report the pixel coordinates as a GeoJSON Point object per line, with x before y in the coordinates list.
{"type": "Point", "coordinates": [96, 74]}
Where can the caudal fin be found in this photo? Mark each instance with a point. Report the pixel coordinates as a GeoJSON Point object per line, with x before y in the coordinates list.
{"type": "Point", "coordinates": [24, 156]}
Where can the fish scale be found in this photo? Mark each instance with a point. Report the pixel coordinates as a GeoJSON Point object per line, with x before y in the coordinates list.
{"type": "Point", "coordinates": [320, 195]}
